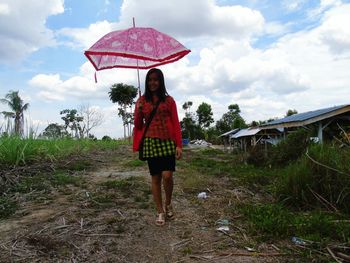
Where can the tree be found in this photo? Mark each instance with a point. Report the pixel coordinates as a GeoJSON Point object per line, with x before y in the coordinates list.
{"type": "Point", "coordinates": [230, 120]}
{"type": "Point", "coordinates": [72, 120]}
{"type": "Point", "coordinates": [17, 107]}
{"type": "Point", "coordinates": [204, 115]}
{"type": "Point", "coordinates": [187, 106]}
{"type": "Point", "coordinates": [54, 131]}
{"type": "Point", "coordinates": [91, 118]}
{"type": "Point", "coordinates": [291, 112]}
{"type": "Point", "coordinates": [124, 95]}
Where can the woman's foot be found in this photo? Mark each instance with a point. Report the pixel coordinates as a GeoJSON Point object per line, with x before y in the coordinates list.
{"type": "Point", "coordinates": [160, 221]}
{"type": "Point", "coordinates": [169, 211]}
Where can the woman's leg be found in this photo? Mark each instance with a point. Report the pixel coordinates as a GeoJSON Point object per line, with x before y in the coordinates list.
{"type": "Point", "coordinates": [168, 184]}
{"type": "Point", "coordinates": [157, 192]}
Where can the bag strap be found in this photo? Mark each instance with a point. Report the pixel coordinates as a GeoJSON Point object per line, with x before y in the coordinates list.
{"type": "Point", "coordinates": [150, 119]}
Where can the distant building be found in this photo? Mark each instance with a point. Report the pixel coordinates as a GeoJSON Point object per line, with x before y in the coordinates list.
{"type": "Point", "coordinates": [274, 131]}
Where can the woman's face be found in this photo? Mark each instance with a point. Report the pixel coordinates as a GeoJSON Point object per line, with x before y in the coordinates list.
{"type": "Point", "coordinates": [153, 82]}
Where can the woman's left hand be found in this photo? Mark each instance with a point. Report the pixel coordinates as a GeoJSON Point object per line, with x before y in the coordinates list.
{"type": "Point", "coordinates": [178, 153]}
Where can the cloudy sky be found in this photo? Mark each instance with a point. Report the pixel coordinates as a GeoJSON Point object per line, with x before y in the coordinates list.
{"type": "Point", "coordinates": [267, 56]}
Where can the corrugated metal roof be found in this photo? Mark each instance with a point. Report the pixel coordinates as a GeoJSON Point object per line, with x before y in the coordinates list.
{"type": "Point", "coordinates": [230, 132]}
{"type": "Point", "coordinates": [304, 116]}
{"type": "Point", "coordinates": [246, 132]}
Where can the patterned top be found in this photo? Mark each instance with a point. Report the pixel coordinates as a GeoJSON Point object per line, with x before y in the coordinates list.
{"type": "Point", "coordinates": [154, 147]}
{"type": "Point", "coordinates": [165, 124]}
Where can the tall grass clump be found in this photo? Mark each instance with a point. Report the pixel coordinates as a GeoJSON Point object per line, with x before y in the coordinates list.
{"type": "Point", "coordinates": [321, 178]}
{"type": "Point", "coordinates": [268, 221]}
{"type": "Point", "coordinates": [290, 149]}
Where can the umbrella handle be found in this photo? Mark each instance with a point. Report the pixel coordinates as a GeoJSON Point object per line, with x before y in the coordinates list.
{"type": "Point", "coordinates": [137, 61]}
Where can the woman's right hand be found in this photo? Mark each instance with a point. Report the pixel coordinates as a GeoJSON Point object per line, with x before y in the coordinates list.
{"type": "Point", "coordinates": [139, 105]}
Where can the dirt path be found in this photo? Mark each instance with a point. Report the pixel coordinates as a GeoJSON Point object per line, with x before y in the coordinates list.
{"type": "Point", "coordinates": [109, 217]}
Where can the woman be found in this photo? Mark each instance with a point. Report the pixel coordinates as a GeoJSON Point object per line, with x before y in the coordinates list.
{"type": "Point", "coordinates": [162, 143]}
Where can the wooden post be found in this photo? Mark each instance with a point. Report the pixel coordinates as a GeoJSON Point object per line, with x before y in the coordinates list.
{"type": "Point", "coordinates": [320, 132]}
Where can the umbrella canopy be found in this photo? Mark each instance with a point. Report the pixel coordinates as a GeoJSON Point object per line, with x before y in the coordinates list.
{"type": "Point", "coordinates": [136, 47]}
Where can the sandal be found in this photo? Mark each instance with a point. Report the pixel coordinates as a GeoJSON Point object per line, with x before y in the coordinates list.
{"type": "Point", "coordinates": [160, 221]}
{"type": "Point", "coordinates": [169, 211]}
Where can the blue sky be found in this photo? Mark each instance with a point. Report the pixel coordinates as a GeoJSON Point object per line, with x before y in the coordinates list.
{"type": "Point", "coordinates": [267, 56]}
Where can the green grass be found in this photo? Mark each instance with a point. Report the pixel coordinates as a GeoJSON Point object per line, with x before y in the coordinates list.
{"type": "Point", "coordinates": [294, 211]}
{"type": "Point", "coordinates": [61, 179]}
{"type": "Point", "coordinates": [17, 151]}
{"type": "Point", "coordinates": [7, 207]}
{"type": "Point", "coordinates": [33, 183]}
{"type": "Point", "coordinates": [270, 221]}
{"type": "Point", "coordinates": [135, 163]}
{"type": "Point", "coordinates": [306, 183]}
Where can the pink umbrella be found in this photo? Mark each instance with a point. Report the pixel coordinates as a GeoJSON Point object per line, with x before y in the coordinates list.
{"type": "Point", "coordinates": [136, 47]}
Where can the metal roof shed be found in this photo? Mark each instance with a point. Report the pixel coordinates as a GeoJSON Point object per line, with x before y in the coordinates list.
{"type": "Point", "coordinates": [255, 135]}
{"type": "Point", "coordinates": [226, 137]}
{"type": "Point", "coordinates": [310, 117]}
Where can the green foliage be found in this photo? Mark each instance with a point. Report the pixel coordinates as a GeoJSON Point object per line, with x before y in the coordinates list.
{"type": "Point", "coordinates": [60, 179]}
{"type": "Point", "coordinates": [124, 96]}
{"type": "Point", "coordinates": [7, 207]}
{"type": "Point", "coordinates": [290, 149]}
{"type": "Point", "coordinates": [73, 121]}
{"type": "Point", "coordinates": [270, 219]}
{"type": "Point", "coordinates": [187, 106]}
{"type": "Point", "coordinates": [17, 151]}
{"type": "Point", "coordinates": [230, 120]}
{"type": "Point", "coordinates": [55, 131]}
{"type": "Point", "coordinates": [123, 185]}
{"type": "Point", "coordinates": [326, 176]}
{"type": "Point", "coordinates": [135, 163]}
{"type": "Point", "coordinates": [31, 183]}
{"type": "Point", "coordinates": [291, 112]}
{"type": "Point", "coordinates": [204, 115]}
{"type": "Point", "coordinates": [106, 138]}
{"type": "Point", "coordinates": [257, 156]}
{"type": "Point", "coordinates": [17, 107]}
{"type": "Point", "coordinates": [274, 220]}
{"type": "Point", "coordinates": [190, 129]}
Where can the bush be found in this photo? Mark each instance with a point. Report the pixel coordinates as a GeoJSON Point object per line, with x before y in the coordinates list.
{"type": "Point", "coordinates": [290, 149]}
{"type": "Point", "coordinates": [257, 156]}
{"type": "Point", "coordinates": [106, 138]}
{"type": "Point", "coordinates": [322, 179]}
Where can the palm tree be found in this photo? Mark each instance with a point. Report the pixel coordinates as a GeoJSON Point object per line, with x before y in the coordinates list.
{"type": "Point", "coordinates": [14, 101]}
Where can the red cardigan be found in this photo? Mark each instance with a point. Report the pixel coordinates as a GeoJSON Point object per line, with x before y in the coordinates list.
{"type": "Point", "coordinates": [165, 123]}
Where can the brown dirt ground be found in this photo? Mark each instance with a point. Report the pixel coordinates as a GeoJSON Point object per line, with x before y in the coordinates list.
{"type": "Point", "coordinates": [77, 224]}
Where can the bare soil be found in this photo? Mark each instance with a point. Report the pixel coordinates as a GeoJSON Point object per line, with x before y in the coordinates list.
{"type": "Point", "coordinates": [89, 222]}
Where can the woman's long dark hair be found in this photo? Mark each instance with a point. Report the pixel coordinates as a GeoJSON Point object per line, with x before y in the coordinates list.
{"type": "Point", "coordinates": [161, 92]}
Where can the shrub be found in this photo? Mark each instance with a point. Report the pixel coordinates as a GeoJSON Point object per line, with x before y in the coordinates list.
{"type": "Point", "coordinates": [320, 179]}
{"type": "Point", "coordinates": [290, 149]}
{"type": "Point", "coordinates": [106, 138]}
{"type": "Point", "coordinates": [257, 156]}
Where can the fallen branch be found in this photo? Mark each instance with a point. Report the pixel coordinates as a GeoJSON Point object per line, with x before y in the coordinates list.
{"type": "Point", "coordinates": [343, 256]}
{"type": "Point", "coordinates": [93, 235]}
{"type": "Point", "coordinates": [255, 254]}
{"type": "Point", "coordinates": [324, 165]}
{"type": "Point", "coordinates": [323, 201]}
{"type": "Point", "coordinates": [332, 255]}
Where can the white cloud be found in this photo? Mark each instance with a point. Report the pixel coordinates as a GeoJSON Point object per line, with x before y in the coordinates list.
{"type": "Point", "coordinates": [51, 87]}
{"type": "Point", "coordinates": [4, 9]}
{"type": "Point", "coordinates": [193, 18]}
{"type": "Point", "coordinates": [323, 6]}
{"type": "Point", "coordinates": [275, 28]}
{"type": "Point", "coordinates": [86, 37]}
{"type": "Point", "coordinates": [293, 5]}
{"type": "Point", "coordinates": [180, 19]}
{"type": "Point", "coordinates": [22, 28]}
{"type": "Point", "coordinates": [335, 30]}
